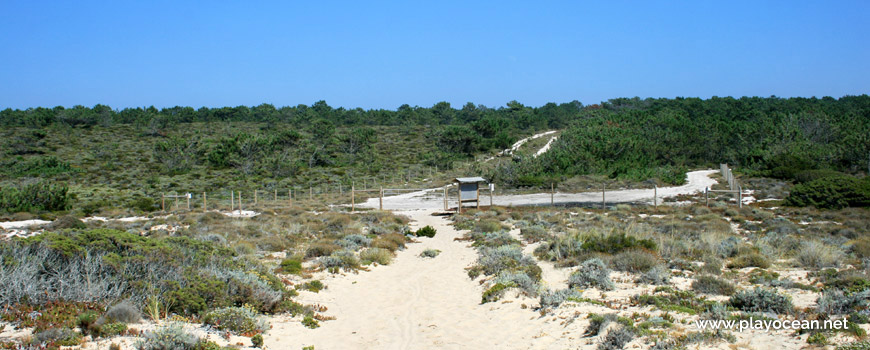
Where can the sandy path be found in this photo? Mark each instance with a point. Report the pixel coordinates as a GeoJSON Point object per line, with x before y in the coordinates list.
{"type": "Point", "coordinates": [432, 199]}
{"type": "Point", "coordinates": [546, 147]}
{"type": "Point", "coordinates": [413, 303]}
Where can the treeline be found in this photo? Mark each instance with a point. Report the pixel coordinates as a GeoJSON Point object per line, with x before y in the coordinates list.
{"type": "Point", "coordinates": [516, 114]}
{"type": "Point", "coordinates": [661, 138]}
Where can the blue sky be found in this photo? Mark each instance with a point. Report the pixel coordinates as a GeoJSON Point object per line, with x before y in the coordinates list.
{"type": "Point", "coordinates": [378, 54]}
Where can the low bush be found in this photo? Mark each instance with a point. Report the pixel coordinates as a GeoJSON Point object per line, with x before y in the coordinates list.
{"type": "Point", "coordinates": [616, 338]}
{"type": "Point", "coordinates": [534, 233]}
{"type": "Point", "coordinates": [106, 265]}
{"type": "Point", "coordinates": [816, 255]}
{"type": "Point", "coordinates": [257, 341]}
{"type": "Point", "coordinates": [310, 322]}
{"type": "Point", "coordinates": [837, 302]}
{"type": "Point", "coordinates": [495, 292]}
{"type": "Point", "coordinates": [314, 286]}
{"type": "Point", "coordinates": [425, 231]}
{"type": "Point", "coordinates": [552, 299]}
{"type": "Point", "coordinates": [376, 255]}
{"type": "Point", "coordinates": [57, 337]}
{"type": "Point", "coordinates": [591, 273]}
{"type": "Point", "coordinates": [761, 300]}
{"type": "Point", "coordinates": [657, 275]}
{"type": "Point", "coordinates": [321, 248]}
{"type": "Point", "coordinates": [712, 265]}
{"type": "Point", "coordinates": [34, 197]}
{"type": "Point", "coordinates": [493, 261]}
{"type": "Point", "coordinates": [430, 253]}
{"type": "Point", "coordinates": [291, 265]}
{"type": "Point", "coordinates": [634, 260]}
{"type": "Point", "coordinates": [832, 192]}
{"type": "Point", "coordinates": [615, 242]}
{"type": "Point", "coordinates": [712, 285]}
{"type": "Point", "coordinates": [123, 312]}
{"type": "Point", "coordinates": [170, 336]}
{"type": "Point", "coordinates": [340, 260]}
{"type": "Point", "coordinates": [488, 226]}
{"type": "Point", "coordinates": [354, 242]}
{"type": "Point", "coordinates": [749, 259]}
{"type": "Point", "coordinates": [239, 320]}
{"type": "Point", "coordinates": [389, 241]}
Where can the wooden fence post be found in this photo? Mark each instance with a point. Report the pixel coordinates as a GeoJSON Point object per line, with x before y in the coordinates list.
{"type": "Point", "coordinates": [163, 202]}
{"type": "Point", "coordinates": [310, 192]}
{"type": "Point", "coordinates": [707, 196]}
{"type": "Point", "coordinates": [381, 197]}
{"type": "Point", "coordinates": [740, 196]}
{"type": "Point", "coordinates": [232, 201]}
{"type": "Point", "coordinates": [276, 194]}
{"type": "Point", "coordinates": [478, 197]}
{"type": "Point", "coordinates": [603, 189]}
{"type": "Point", "coordinates": [240, 202]}
{"type": "Point", "coordinates": [176, 201]}
{"type": "Point", "coordinates": [204, 203]}
{"type": "Point", "coordinates": [290, 197]}
{"type": "Point", "coordinates": [352, 198]}
{"type": "Point", "coordinates": [255, 196]}
{"type": "Point", "coordinates": [552, 194]}
{"type": "Point", "coordinates": [445, 198]}
{"type": "Point", "coordinates": [188, 201]}
{"type": "Point", "coordinates": [655, 196]}
{"type": "Point", "coordinates": [491, 189]}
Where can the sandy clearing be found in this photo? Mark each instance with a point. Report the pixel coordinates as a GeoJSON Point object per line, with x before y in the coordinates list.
{"type": "Point", "coordinates": [414, 303]}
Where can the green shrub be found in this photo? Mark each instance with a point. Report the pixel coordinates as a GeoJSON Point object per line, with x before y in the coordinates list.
{"type": "Point", "coordinates": [113, 329]}
{"type": "Point", "coordinates": [634, 260]}
{"type": "Point", "coordinates": [39, 167]}
{"type": "Point", "coordinates": [376, 255]}
{"type": "Point", "coordinates": [488, 226]}
{"type": "Point", "coordinates": [389, 241]}
{"type": "Point", "coordinates": [831, 193]}
{"type": "Point", "coordinates": [816, 174]}
{"type": "Point", "coordinates": [291, 266]}
{"type": "Point", "coordinates": [761, 300]}
{"type": "Point", "coordinates": [425, 231]}
{"type": "Point", "coordinates": [615, 243]}
{"type": "Point", "coordinates": [239, 320]}
{"type": "Point", "coordinates": [749, 259]}
{"type": "Point", "coordinates": [321, 248]}
{"type": "Point", "coordinates": [310, 322]}
{"type": "Point", "coordinates": [591, 273]}
{"type": "Point", "coordinates": [314, 286]}
{"type": "Point", "coordinates": [712, 285]}
{"type": "Point", "coordinates": [257, 341]}
{"type": "Point", "coordinates": [495, 292]}
{"type": "Point", "coordinates": [39, 196]}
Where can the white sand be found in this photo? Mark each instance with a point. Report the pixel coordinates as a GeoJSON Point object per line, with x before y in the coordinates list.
{"type": "Point", "coordinates": [546, 147]}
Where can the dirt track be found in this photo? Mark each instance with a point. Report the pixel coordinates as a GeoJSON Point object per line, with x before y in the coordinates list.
{"type": "Point", "coordinates": [432, 199]}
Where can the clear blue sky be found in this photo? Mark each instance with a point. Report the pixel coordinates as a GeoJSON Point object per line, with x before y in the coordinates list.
{"type": "Point", "coordinates": [375, 54]}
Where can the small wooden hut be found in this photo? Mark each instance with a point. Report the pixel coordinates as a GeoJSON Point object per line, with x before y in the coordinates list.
{"type": "Point", "coordinates": [469, 190]}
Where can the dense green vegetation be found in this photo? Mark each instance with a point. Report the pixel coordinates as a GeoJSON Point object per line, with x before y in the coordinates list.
{"type": "Point", "coordinates": [126, 158]}
{"type": "Point", "coordinates": [661, 138]}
